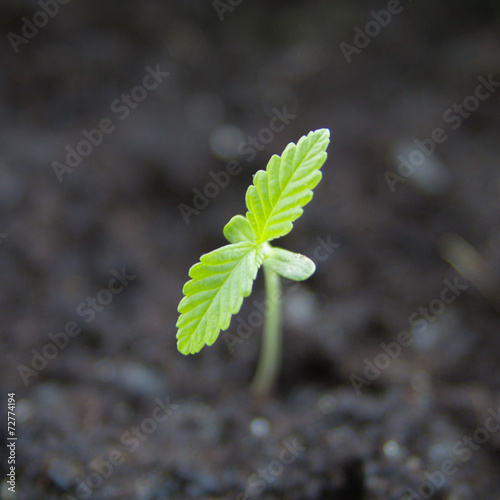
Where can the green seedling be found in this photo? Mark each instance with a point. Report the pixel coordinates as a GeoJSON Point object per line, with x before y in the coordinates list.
{"type": "Point", "coordinates": [222, 278]}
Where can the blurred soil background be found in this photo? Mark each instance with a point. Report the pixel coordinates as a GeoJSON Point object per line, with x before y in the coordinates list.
{"type": "Point", "coordinates": [90, 420]}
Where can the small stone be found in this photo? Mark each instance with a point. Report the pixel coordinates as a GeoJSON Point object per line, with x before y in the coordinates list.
{"type": "Point", "coordinates": [225, 140]}
{"type": "Point", "coordinates": [260, 427]}
{"type": "Point", "coordinates": [392, 450]}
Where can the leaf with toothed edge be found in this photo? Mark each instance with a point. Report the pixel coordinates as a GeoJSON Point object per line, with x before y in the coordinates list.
{"type": "Point", "coordinates": [278, 194]}
{"type": "Point", "coordinates": [219, 283]}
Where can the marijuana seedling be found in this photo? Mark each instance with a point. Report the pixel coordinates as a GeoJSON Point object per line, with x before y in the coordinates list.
{"type": "Point", "coordinates": [225, 276]}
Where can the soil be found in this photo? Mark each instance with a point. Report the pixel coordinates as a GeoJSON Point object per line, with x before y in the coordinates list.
{"type": "Point", "coordinates": [390, 380]}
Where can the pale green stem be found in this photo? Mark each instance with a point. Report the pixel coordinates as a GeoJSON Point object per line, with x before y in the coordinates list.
{"type": "Point", "coordinates": [270, 352]}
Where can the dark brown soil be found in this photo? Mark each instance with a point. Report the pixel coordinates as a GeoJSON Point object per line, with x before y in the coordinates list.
{"type": "Point", "coordinates": [390, 379]}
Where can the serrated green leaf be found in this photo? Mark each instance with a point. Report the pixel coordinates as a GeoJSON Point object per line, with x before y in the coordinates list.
{"type": "Point", "coordinates": [219, 283]}
{"type": "Point", "coordinates": [238, 230]}
{"type": "Point", "coordinates": [293, 266]}
{"type": "Point", "coordinates": [278, 194]}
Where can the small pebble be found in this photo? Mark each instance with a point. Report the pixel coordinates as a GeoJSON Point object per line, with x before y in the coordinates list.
{"type": "Point", "coordinates": [392, 450]}
{"type": "Point", "coordinates": [225, 140]}
{"type": "Point", "coordinates": [260, 427]}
